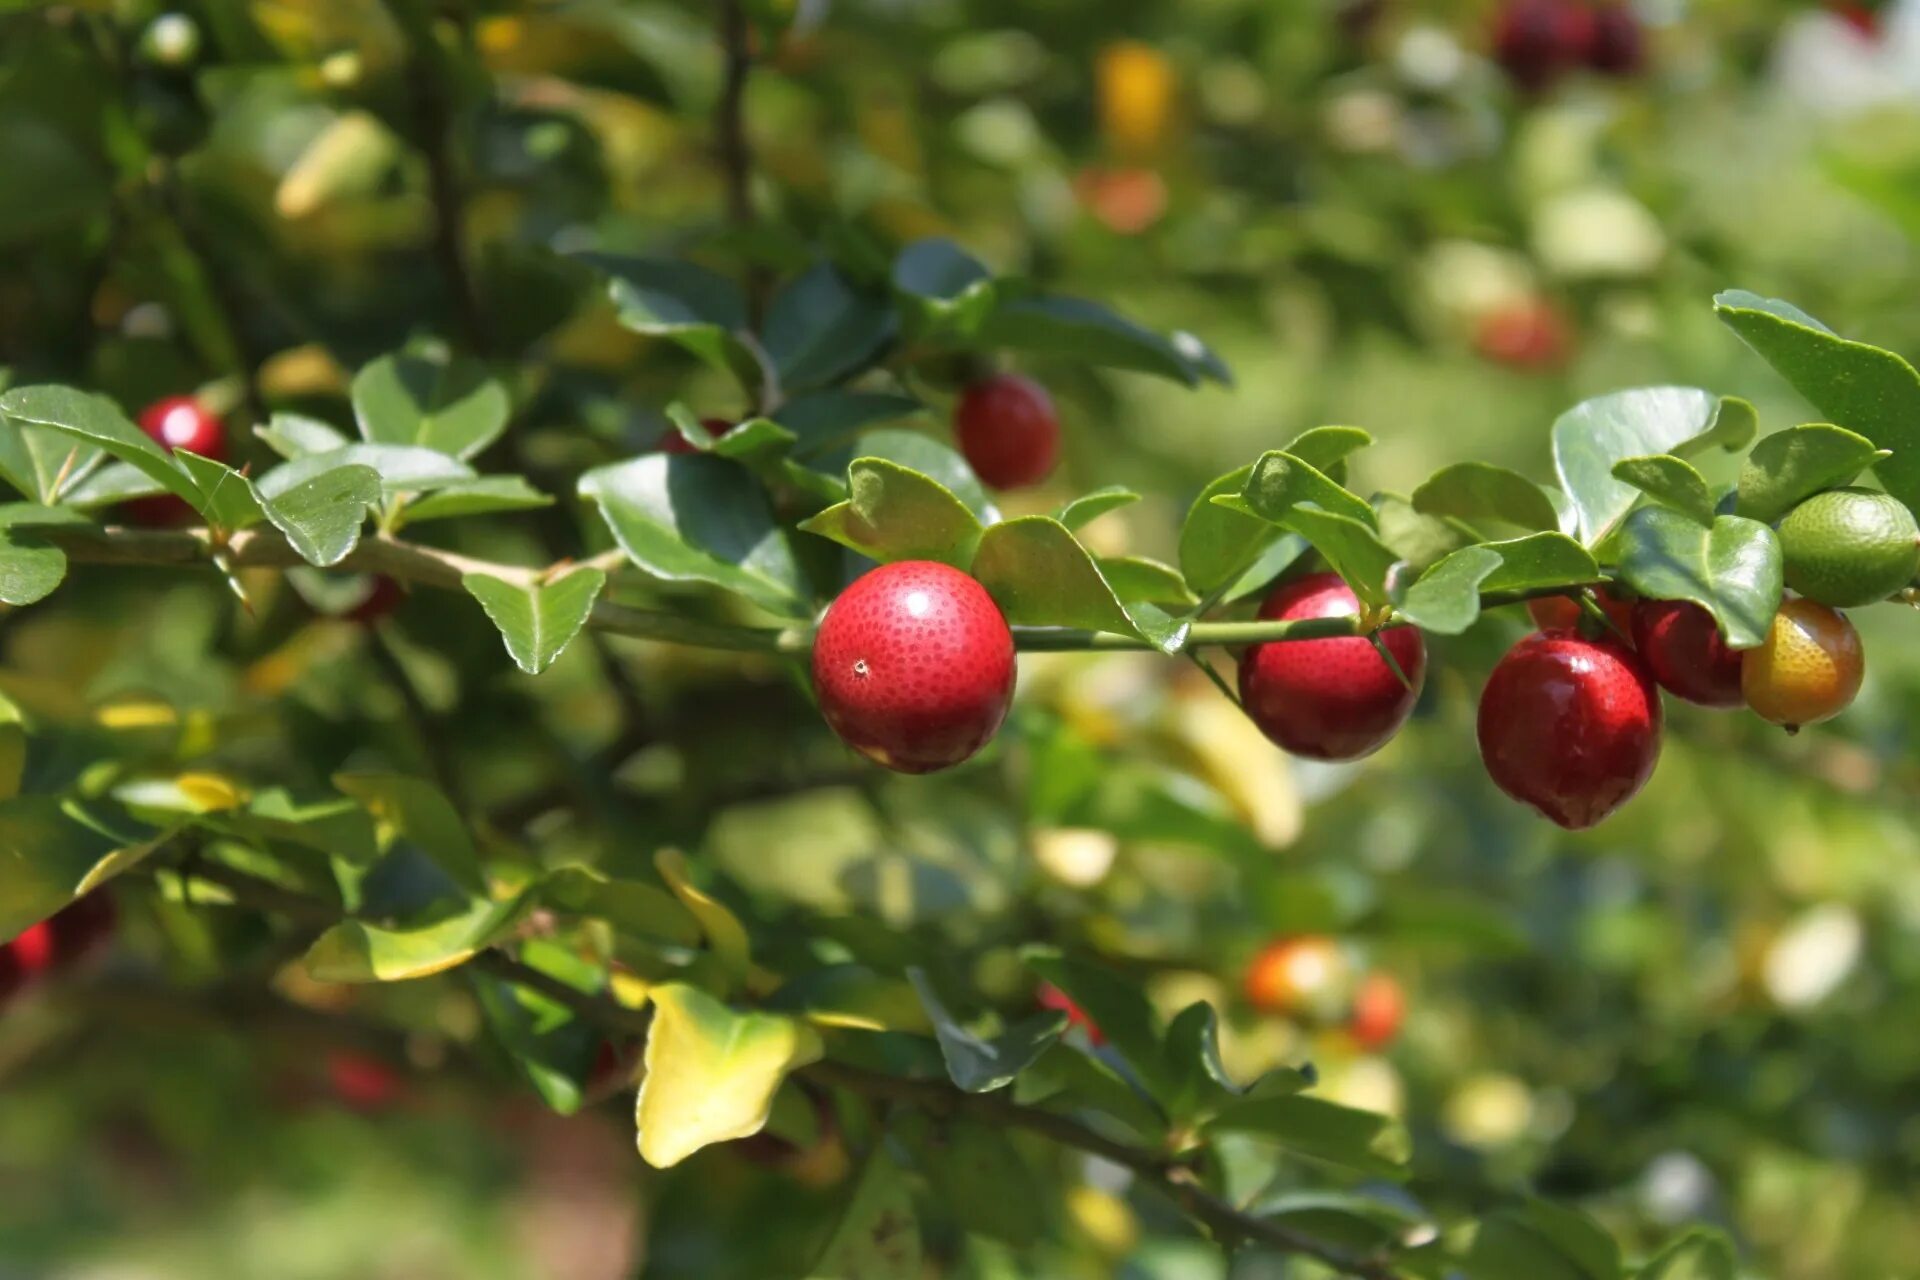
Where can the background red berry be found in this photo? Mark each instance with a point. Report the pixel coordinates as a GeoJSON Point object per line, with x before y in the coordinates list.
{"type": "Point", "coordinates": [1534, 41]}
{"type": "Point", "coordinates": [1563, 613]}
{"type": "Point", "coordinates": [1008, 430]}
{"type": "Point", "coordinates": [1330, 699]}
{"type": "Point", "coordinates": [914, 666]}
{"type": "Point", "coordinates": [1685, 652]}
{"type": "Point", "coordinates": [1052, 997]}
{"type": "Point", "coordinates": [179, 422]}
{"type": "Point", "coordinates": [1616, 45]}
{"type": "Point", "coordinates": [1570, 726]}
{"type": "Point", "coordinates": [383, 597]}
{"type": "Point", "coordinates": [1379, 1007]}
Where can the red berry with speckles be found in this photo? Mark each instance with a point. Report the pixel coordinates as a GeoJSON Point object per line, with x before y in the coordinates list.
{"type": "Point", "coordinates": [1686, 653]}
{"type": "Point", "coordinates": [1008, 430]}
{"type": "Point", "coordinates": [1570, 726]}
{"type": "Point", "coordinates": [1333, 698]}
{"type": "Point", "coordinates": [1052, 997]}
{"type": "Point", "coordinates": [1379, 1007]}
{"type": "Point", "coordinates": [674, 442]}
{"type": "Point", "coordinates": [179, 422]}
{"type": "Point", "coordinates": [913, 665]}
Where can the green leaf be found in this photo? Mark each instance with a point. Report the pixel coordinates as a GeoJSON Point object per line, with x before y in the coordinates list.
{"type": "Point", "coordinates": [482, 495]}
{"type": "Point", "coordinates": [1540, 561]}
{"type": "Point", "coordinates": [1350, 546]}
{"type": "Point", "coordinates": [1077, 329]}
{"type": "Point", "coordinates": [30, 566]}
{"type": "Point", "coordinates": [53, 851]}
{"type": "Point", "coordinates": [322, 516]}
{"type": "Point", "coordinates": [1475, 491]}
{"type": "Point", "coordinates": [1700, 1254]}
{"type": "Point", "coordinates": [1120, 1011]}
{"type": "Point", "coordinates": [1790, 466]}
{"type": "Point", "coordinates": [698, 519]}
{"type": "Point", "coordinates": [1670, 481]}
{"type": "Point", "coordinates": [402, 468]}
{"type": "Point", "coordinates": [1591, 437]}
{"type": "Point", "coordinates": [537, 620]}
{"type": "Point", "coordinates": [920, 452]}
{"type": "Point", "coordinates": [896, 513]}
{"type": "Point", "coordinates": [979, 1065]}
{"type": "Point", "coordinates": [1320, 1130]}
{"type": "Point", "coordinates": [96, 423]}
{"type": "Point", "coordinates": [1542, 1241]}
{"type": "Point", "coordinates": [977, 1175]}
{"type": "Point", "coordinates": [1217, 543]}
{"type": "Point", "coordinates": [824, 420]}
{"type": "Point", "coordinates": [1731, 568]}
{"type": "Point", "coordinates": [699, 309]}
{"type": "Point", "coordinates": [1326, 448]}
{"type": "Point", "coordinates": [294, 435]}
{"type": "Point", "coordinates": [1446, 598]}
{"type": "Point", "coordinates": [946, 286]}
{"type": "Point", "coordinates": [1280, 482]}
{"type": "Point", "coordinates": [1091, 506]}
{"type": "Point", "coordinates": [877, 1236]}
{"type": "Point", "coordinates": [415, 809]}
{"type": "Point", "coordinates": [819, 329]}
{"type": "Point", "coordinates": [48, 466]}
{"type": "Point", "coordinates": [632, 906]}
{"type": "Point", "coordinates": [103, 486]}
{"type": "Point", "coordinates": [545, 1041]}
{"type": "Point", "coordinates": [13, 749]}
{"type": "Point", "coordinates": [1858, 386]}
{"type": "Point", "coordinates": [1204, 1086]}
{"type": "Point", "coordinates": [725, 935]}
{"type": "Point", "coordinates": [711, 1072]}
{"type": "Point", "coordinates": [225, 497]}
{"type": "Point", "coordinates": [355, 951]}
{"type": "Point", "coordinates": [1040, 575]}
{"type": "Point", "coordinates": [1136, 578]}
{"type": "Point", "coordinates": [451, 406]}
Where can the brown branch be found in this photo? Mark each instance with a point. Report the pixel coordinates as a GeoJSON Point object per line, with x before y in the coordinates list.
{"type": "Point", "coordinates": [730, 126]}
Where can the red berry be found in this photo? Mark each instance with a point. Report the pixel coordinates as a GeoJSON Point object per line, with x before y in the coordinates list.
{"type": "Point", "coordinates": [35, 950]}
{"type": "Point", "coordinates": [179, 422]}
{"type": "Point", "coordinates": [1379, 1007]}
{"type": "Point", "coordinates": [82, 928]}
{"type": "Point", "coordinates": [382, 598]}
{"type": "Point", "coordinates": [1333, 698]}
{"type": "Point", "coordinates": [913, 665]}
{"type": "Point", "coordinates": [1616, 45]}
{"type": "Point", "coordinates": [1685, 652]}
{"type": "Point", "coordinates": [674, 442]}
{"type": "Point", "coordinates": [1527, 334]}
{"type": "Point", "coordinates": [1563, 613]}
{"type": "Point", "coordinates": [1863, 18]}
{"type": "Point", "coordinates": [1536, 40]}
{"type": "Point", "coordinates": [1008, 430]}
{"type": "Point", "coordinates": [1570, 726]}
{"type": "Point", "coordinates": [1306, 977]}
{"type": "Point", "coordinates": [1052, 997]}
{"type": "Point", "coordinates": [361, 1081]}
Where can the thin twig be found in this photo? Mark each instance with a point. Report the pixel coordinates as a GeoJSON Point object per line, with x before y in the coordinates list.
{"type": "Point", "coordinates": [730, 126]}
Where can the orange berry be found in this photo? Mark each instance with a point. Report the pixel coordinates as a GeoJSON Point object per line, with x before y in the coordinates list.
{"type": "Point", "coordinates": [1307, 976]}
{"type": "Point", "coordinates": [1807, 670]}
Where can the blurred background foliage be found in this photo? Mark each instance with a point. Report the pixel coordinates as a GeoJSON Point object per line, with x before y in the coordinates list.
{"type": "Point", "coordinates": [1706, 1009]}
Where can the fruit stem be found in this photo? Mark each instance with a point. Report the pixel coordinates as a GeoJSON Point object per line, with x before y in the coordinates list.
{"type": "Point", "coordinates": [1386, 654]}
{"type": "Point", "coordinates": [1592, 608]}
{"type": "Point", "coordinates": [1218, 681]}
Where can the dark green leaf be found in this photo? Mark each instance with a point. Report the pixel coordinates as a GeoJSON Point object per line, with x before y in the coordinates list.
{"type": "Point", "coordinates": [978, 1176]}
{"type": "Point", "coordinates": [877, 1237]}
{"type": "Point", "coordinates": [825, 420]}
{"type": "Point", "coordinates": [948, 287]}
{"type": "Point", "coordinates": [1419, 540]}
{"type": "Point", "coordinates": [1320, 1130]}
{"type": "Point", "coordinates": [1669, 481]}
{"type": "Point", "coordinates": [701, 310]}
{"type": "Point", "coordinates": [482, 495]}
{"type": "Point", "coordinates": [1202, 1084]}
{"type": "Point", "coordinates": [1539, 561]}
{"type": "Point", "coordinates": [30, 566]}
{"type": "Point", "coordinates": [1591, 437]}
{"type": "Point", "coordinates": [96, 423]}
{"type": "Point", "coordinates": [357, 951]}
{"type": "Point", "coordinates": [322, 516]}
{"type": "Point", "coordinates": [1792, 465]}
{"type": "Point", "coordinates": [1118, 1008]}
{"type": "Point", "coordinates": [451, 406]}
{"type": "Point", "coordinates": [922, 453]}
{"type": "Point", "coordinates": [1731, 568]}
{"type": "Point", "coordinates": [819, 328]}
{"type": "Point", "coordinates": [49, 467]}
{"type": "Point", "coordinates": [402, 468]}
{"type": "Point", "coordinates": [980, 1065]}
{"type": "Point", "coordinates": [1217, 544]}
{"type": "Point", "coordinates": [697, 519]}
{"type": "Point", "coordinates": [68, 186]}
{"type": "Point", "coordinates": [1040, 575]}
{"type": "Point", "coordinates": [103, 486]}
{"type": "Point", "coordinates": [537, 620]}
{"type": "Point", "coordinates": [415, 809]}
{"type": "Point", "coordinates": [1076, 329]}
{"type": "Point", "coordinates": [895, 513]}
{"type": "Point", "coordinates": [630, 905]}
{"type": "Point", "coordinates": [1476, 491]}
{"type": "Point", "coordinates": [52, 851]}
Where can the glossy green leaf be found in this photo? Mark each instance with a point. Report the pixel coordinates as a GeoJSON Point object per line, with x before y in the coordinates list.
{"type": "Point", "coordinates": [1077, 329]}
{"type": "Point", "coordinates": [947, 287]}
{"type": "Point", "coordinates": [825, 420]}
{"type": "Point", "coordinates": [697, 519]}
{"type": "Point", "coordinates": [103, 486]}
{"type": "Point", "coordinates": [95, 423]}
{"type": "Point", "coordinates": [482, 495]}
{"type": "Point", "coordinates": [53, 851]}
{"type": "Point", "coordinates": [1089, 507]}
{"type": "Point", "coordinates": [1731, 568]}
{"type": "Point", "coordinates": [537, 620]}
{"type": "Point", "coordinates": [896, 513]}
{"type": "Point", "coordinates": [49, 466]}
{"type": "Point", "coordinates": [1320, 1130]}
{"type": "Point", "coordinates": [1118, 1008]}
{"type": "Point", "coordinates": [1203, 1084]}
{"type": "Point", "coordinates": [1280, 482]}
{"type": "Point", "coordinates": [1446, 598]}
{"type": "Point", "coordinates": [1351, 546]}
{"type": "Point", "coordinates": [711, 1072]}
{"type": "Point", "coordinates": [356, 951]}
{"type": "Point", "coordinates": [402, 468]}
{"type": "Point", "coordinates": [30, 565]}
{"type": "Point", "coordinates": [322, 516]}
{"type": "Point", "coordinates": [416, 810]}
{"type": "Point", "coordinates": [1479, 491]}
{"type": "Point", "coordinates": [1540, 561]}
{"type": "Point", "coordinates": [1137, 578]}
{"type": "Point", "coordinates": [451, 406]}
{"type": "Point", "coordinates": [820, 329]}
{"type": "Point", "coordinates": [977, 1064]}
{"type": "Point", "coordinates": [1700, 1254]}
{"type": "Point", "coordinates": [1669, 481]}
{"type": "Point", "coordinates": [224, 496]}
{"type": "Point", "coordinates": [1591, 437]}
{"type": "Point", "coordinates": [1790, 466]}
{"type": "Point", "coordinates": [1420, 540]}
{"type": "Point", "coordinates": [1217, 543]}
{"type": "Point", "coordinates": [1857, 386]}
{"type": "Point", "coordinates": [294, 435]}
{"type": "Point", "coordinates": [699, 309]}
{"type": "Point", "coordinates": [1040, 575]}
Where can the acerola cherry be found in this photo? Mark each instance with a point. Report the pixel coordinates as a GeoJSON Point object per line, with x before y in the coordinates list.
{"type": "Point", "coordinates": [1536, 40]}
{"type": "Point", "coordinates": [179, 422]}
{"type": "Point", "coordinates": [674, 442]}
{"type": "Point", "coordinates": [1563, 613]}
{"type": "Point", "coordinates": [1570, 726]}
{"type": "Point", "coordinates": [1379, 1007]}
{"type": "Point", "coordinates": [914, 666]}
{"type": "Point", "coordinates": [1808, 669]}
{"type": "Point", "coordinates": [1307, 975]}
{"type": "Point", "coordinates": [1052, 997]}
{"type": "Point", "coordinates": [1686, 653]}
{"type": "Point", "coordinates": [1334, 698]}
{"type": "Point", "coordinates": [1008, 430]}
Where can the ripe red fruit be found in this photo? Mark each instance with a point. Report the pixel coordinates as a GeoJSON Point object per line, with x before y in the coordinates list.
{"type": "Point", "coordinates": [82, 928]}
{"type": "Point", "coordinates": [1008, 430]}
{"type": "Point", "coordinates": [1536, 40]}
{"type": "Point", "coordinates": [1052, 997]}
{"type": "Point", "coordinates": [1528, 334]}
{"type": "Point", "coordinates": [1333, 698]}
{"type": "Point", "coordinates": [35, 949]}
{"type": "Point", "coordinates": [1616, 46]}
{"type": "Point", "coordinates": [361, 1081]}
{"type": "Point", "coordinates": [179, 422]}
{"type": "Point", "coordinates": [1685, 652]}
{"type": "Point", "coordinates": [674, 442]}
{"type": "Point", "coordinates": [1563, 613]}
{"type": "Point", "coordinates": [1379, 1007]}
{"type": "Point", "coordinates": [913, 665]}
{"type": "Point", "coordinates": [1570, 726]}
{"type": "Point", "coordinates": [382, 598]}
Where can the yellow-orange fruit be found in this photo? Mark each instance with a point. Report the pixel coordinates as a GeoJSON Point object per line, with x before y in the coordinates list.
{"type": "Point", "coordinates": [1807, 670]}
{"type": "Point", "coordinates": [1303, 976]}
{"type": "Point", "coordinates": [1135, 84]}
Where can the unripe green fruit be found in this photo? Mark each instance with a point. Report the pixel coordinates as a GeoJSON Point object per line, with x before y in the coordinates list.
{"type": "Point", "coordinates": [1849, 547]}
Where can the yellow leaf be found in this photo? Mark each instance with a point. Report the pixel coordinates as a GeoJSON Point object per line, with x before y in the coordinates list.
{"type": "Point", "coordinates": [722, 928]}
{"type": "Point", "coordinates": [711, 1072]}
